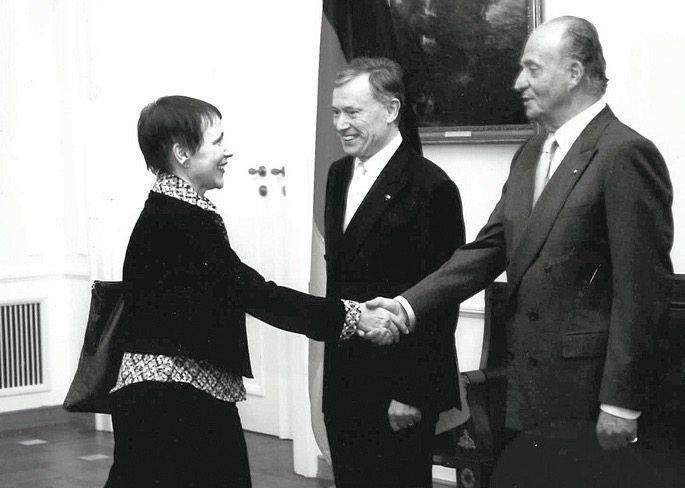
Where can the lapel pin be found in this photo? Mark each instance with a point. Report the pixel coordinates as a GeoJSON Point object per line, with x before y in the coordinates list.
{"type": "Point", "coordinates": [575, 171]}
{"type": "Point", "coordinates": [387, 197]}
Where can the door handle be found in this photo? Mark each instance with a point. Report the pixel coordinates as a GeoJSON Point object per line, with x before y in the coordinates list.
{"type": "Point", "coordinates": [261, 171]}
{"type": "Point", "coordinates": [277, 171]}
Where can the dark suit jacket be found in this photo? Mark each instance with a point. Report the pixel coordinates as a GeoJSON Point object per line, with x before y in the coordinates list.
{"type": "Point", "coordinates": [588, 270]}
{"type": "Point", "coordinates": [409, 222]}
{"type": "Point", "coordinates": [187, 291]}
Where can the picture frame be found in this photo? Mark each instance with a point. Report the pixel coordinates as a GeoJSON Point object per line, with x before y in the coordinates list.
{"type": "Point", "coordinates": [461, 59]}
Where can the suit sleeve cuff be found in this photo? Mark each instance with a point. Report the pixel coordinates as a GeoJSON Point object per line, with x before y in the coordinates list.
{"type": "Point", "coordinates": [624, 413]}
{"type": "Point", "coordinates": [408, 310]}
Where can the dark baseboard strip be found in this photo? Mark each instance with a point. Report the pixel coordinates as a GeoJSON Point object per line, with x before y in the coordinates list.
{"type": "Point", "coordinates": [37, 417]}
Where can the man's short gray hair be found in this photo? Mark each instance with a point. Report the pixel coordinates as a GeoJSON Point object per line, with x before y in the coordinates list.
{"type": "Point", "coordinates": [385, 77]}
{"type": "Point", "coordinates": [581, 42]}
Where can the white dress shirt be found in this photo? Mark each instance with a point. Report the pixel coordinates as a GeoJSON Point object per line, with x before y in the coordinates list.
{"type": "Point", "coordinates": [565, 136]}
{"type": "Point", "coordinates": [364, 175]}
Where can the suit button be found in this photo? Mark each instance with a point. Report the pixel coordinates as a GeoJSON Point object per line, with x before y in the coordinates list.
{"type": "Point", "coordinates": [532, 361]}
{"type": "Point", "coordinates": [547, 267]}
{"type": "Point", "coordinates": [533, 315]}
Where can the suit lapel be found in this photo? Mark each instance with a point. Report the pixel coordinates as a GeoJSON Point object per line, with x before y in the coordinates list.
{"type": "Point", "coordinates": [386, 187]}
{"type": "Point", "coordinates": [336, 203]}
{"type": "Point", "coordinates": [520, 186]}
{"type": "Point", "coordinates": [554, 196]}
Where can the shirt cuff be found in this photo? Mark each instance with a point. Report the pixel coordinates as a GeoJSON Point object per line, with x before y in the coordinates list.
{"type": "Point", "coordinates": [624, 413]}
{"type": "Point", "coordinates": [408, 310]}
{"type": "Point", "coordinates": [353, 315]}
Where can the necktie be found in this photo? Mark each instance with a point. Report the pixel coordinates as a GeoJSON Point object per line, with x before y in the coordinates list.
{"type": "Point", "coordinates": [542, 173]}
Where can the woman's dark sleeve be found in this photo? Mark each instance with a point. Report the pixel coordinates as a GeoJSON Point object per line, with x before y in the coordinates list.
{"type": "Point", "coordinates": [321, 319]}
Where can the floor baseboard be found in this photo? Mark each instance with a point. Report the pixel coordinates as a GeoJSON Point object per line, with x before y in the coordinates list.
{"type": "Point", "coordinates": [44, 416]}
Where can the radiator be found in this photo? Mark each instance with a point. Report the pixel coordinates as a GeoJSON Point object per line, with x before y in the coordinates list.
{"type": "Point", "coordinates": [21, 355]}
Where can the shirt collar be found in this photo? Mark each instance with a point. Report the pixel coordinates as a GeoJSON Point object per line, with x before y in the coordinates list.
{"type": "Point", "coordinates": [567, 134]}
{"type": "Point", "coordinates": [378, 161]}
{"type": "Point", "coordinates": [175, 187]}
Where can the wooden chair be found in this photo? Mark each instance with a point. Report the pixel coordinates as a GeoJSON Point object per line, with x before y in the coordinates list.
{"type": "Point", "coordinates": [473, 447]}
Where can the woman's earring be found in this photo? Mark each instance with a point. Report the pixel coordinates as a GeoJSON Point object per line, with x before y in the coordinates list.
{"type": "Point", "coordinates": [186, 164]}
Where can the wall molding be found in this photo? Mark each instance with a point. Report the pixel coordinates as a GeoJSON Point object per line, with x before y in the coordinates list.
{"type": "Point", "coordinates": [474, 307]}
{"type": "Point", "coordinates": [71, 274]}
{"type": "Point", "coordinates": [473, 312]}
{"type": "Point", "coordinates": [254, 387]}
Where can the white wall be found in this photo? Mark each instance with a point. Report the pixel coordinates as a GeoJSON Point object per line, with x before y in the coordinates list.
{"type": "Point", "coordinates": [43, 239]}
{"type": "Point", "coordinates": [42, 192]}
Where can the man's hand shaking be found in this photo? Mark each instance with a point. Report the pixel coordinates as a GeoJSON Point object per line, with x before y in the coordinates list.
{"type": "Point", "coordinates": [381, 326]}
{"type": "Point", "coordinates": [392, 306]}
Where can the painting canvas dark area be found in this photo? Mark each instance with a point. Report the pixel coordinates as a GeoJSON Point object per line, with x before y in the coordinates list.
{"type": "Point", "coordinates": [461, 59]}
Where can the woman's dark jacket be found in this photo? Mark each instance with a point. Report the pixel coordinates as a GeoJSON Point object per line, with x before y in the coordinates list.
{"type": "Point", "coordinates": [187, 291]}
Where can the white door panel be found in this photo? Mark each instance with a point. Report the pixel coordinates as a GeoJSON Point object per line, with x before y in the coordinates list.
{"type": "Point", "coordinates": [253, 222]}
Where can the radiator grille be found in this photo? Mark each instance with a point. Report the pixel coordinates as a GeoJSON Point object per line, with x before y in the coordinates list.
{"type": "Point", "coordinates": [21, 358]}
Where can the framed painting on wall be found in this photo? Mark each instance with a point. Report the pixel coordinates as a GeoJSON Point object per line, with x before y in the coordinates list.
{"type": "Point", "coordinates": [461, 58]}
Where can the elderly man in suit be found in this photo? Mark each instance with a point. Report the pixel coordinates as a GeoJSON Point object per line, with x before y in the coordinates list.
{"type": "Point", "coordinates": [583, 229]}
{"type": "Point", "coordinates": [385, 204]}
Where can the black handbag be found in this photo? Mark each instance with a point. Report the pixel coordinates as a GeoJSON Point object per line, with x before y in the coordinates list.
{"type": "Point", "coordinates": [100, 359]}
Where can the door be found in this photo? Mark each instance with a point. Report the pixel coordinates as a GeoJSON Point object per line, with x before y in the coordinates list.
{"type": "Point", "coordinates": [270, 119]}
{"type": "Point", "coordinates": [253, 204]}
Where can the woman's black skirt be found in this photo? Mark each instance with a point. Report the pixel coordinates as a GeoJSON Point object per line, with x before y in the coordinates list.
{"type": "Point", "coordinates": [173, 435]}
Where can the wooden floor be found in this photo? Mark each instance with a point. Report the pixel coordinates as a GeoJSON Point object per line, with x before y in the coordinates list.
{"type": "Point", "coordinates": [50, 448]}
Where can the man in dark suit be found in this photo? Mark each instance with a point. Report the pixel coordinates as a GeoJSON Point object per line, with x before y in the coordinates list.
{"type": "Point", "coordinates": [385, 204]}
{"type": "Point", "coordinates": [583, 229]}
